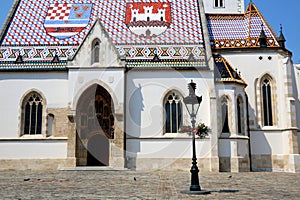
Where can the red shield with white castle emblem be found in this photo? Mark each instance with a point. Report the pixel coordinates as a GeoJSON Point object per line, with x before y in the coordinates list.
{"type": "Point", "coordinates": [148, 19]}
{"type": "Point", "coordinates": [66, 20]}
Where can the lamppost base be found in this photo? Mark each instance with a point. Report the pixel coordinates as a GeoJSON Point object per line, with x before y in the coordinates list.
{"type": "Point", "coordinates": [195, 188]}
{"type": "Point", "coordinates": [201, 192]}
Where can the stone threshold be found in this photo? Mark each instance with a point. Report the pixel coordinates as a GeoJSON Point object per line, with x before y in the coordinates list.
{"type": "Point", "coordinates": [92, 168]}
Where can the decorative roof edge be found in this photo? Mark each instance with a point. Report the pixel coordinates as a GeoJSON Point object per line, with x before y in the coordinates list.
{"type": "Point", "coordinates": [8, 20]}
{"type": "Point", "coordinates": [243, 43]}
{"type": "Point", "coordinates": [8, 66]}
{"type": "Point", "coordinates": [254, 49]}
{"type": "Point", "coordinates": [168, 64]}
{"type": "Point", "coordinates": [227, 80]}
{"type": "Point", "coordinates": [36, 53]}
{"type": "Point", "coordinates": [34, 70]}
{"type": "Point", "coordinates": [128, 68]}
{"type": "Point", "coordinates": [39, 68]}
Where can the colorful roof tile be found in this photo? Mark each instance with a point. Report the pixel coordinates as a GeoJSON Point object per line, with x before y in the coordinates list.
{"type": "Point", "coordinates": [41, 29]}
{"type": "Point", "coordinates": [239, 30]}
{"type": "Point", "coordinates": [41, 24]}
{"type": "Point", "coordinates": [27, 26]}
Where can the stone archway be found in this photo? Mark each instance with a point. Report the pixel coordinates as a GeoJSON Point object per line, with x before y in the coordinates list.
{"type": "Point", "coordinates": [94, 127]}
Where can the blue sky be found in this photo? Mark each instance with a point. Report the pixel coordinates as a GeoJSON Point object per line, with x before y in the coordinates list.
{"type": "Point", "coordinates": [276, 12]}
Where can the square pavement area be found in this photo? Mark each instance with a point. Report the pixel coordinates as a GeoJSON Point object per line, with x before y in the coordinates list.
{"type": "Point", "coordinates": [122, 184]}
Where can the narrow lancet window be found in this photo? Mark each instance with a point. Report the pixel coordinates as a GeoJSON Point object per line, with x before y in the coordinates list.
{"type": "Point", "coordinates": [95, 51]}
{"type": "Point", "coordinates": [240, 116]}
{"type": "Point", "coordinates": [225, 126]}
{"type": "Point", "coordinates": [267, 102]}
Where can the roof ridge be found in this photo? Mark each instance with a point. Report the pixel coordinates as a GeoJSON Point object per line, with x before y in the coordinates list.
{"type": "Point", "coordinates": [249, 12]}
{"type": "Point", "coordinates": [252, 8]}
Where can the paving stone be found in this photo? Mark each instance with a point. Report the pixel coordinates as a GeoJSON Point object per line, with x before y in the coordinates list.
{"type": "Point", "coordinates": [90, 185]}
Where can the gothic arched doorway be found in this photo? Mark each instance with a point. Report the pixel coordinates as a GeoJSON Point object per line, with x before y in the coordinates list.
{"type": "Point", "coordinates": [95, 126]}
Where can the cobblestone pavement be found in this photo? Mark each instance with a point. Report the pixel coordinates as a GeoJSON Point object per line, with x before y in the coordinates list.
{"type": "Point", "coordinates": [25, 185]}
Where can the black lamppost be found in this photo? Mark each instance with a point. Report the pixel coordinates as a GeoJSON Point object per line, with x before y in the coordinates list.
{"type": "Point", "coordinates": [192, 103]}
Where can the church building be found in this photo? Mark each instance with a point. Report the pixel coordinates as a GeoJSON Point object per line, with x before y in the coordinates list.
{"type": "Point", "coordinates": [103, 83]}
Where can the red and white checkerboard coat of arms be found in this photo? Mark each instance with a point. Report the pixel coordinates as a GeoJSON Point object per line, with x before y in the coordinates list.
{"type": "Point", "coordinates": [66, 20]}
{"type": "Point", "coordinates": [148, 19]}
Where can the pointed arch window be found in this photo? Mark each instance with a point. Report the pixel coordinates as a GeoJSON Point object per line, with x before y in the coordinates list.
{"type": "Point", "coordinates": [33, 109]}
{"type": "Point", "coordinates": [240, 115]}
{"type": "Point", "coordinates": [95, 51]}
{"type": "Point", "coordinates": [219, 3]}
{"type": "Point", "coordinates": [224, 107]}
{"type": "Point", "coordinates": [173, 112]}
{"type": "Point", "coordinates": [266, 91]}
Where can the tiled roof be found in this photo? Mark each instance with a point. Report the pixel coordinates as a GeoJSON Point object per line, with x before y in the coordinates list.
{"type": "Point", "coordinates": [225, 72]}
{"type": "Point", "coordinates": [27, 34]}
{"type": "Point", "coordinates": [239, 30]}
{"type": "Point", "coordinates": [27, 27]}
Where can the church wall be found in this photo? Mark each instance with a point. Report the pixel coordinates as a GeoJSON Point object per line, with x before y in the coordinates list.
{"type": "Point", "coordinates": [271, 143]}
{"type": "Point", "coordinates": [225, 147]}
{"type": "Point", "coordinates": [279, 68]}
{"type": "Point", "coordinates": [298, 141]}
{"type": "Point", "coordinates": [14, 86]}
{"type": "Point", "coordinates": [297, 99]}
{"type": "Point", "coordinates": [272, 147]}
{"type": "Point", "coordinates": [233, 146]}
{"type": "Point", "coordinates": [34, 151]}
{"type": "Point", "coordinates": [296, 90]}
{"type": "Point", "coordinates": [111, 79]}
{"type": "Point", "coordinates": [145, 95]}
{"type": "Point", "coordinates": [170, 152]}
{"type": "Point", "coordinates": [252, 67]}
{"type": "Point", "coordinates": [167, 147]}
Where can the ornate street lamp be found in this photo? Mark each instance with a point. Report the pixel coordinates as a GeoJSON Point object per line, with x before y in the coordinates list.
{"type": "Point", "coordinates": [192, 103]}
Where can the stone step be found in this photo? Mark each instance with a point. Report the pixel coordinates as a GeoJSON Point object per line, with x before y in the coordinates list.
{"type": "Point", "coordinates": [94, 168]}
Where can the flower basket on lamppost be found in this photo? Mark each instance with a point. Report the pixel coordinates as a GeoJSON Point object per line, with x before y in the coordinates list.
{"type": "Point", "coordinates": [202, 130]}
